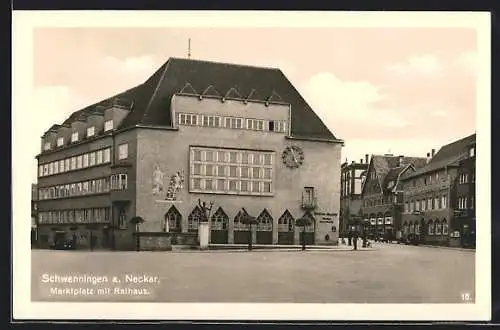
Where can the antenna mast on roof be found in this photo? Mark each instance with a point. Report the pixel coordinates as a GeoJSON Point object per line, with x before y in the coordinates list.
{"type": "Point", "coordinates": [189, 48]}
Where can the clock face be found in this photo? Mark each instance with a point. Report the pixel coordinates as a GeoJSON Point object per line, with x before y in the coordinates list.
{"type": "Point", "coordinates": [293, 156]}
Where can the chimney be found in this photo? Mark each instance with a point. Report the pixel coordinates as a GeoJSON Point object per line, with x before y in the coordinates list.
{"type": "Point", "coordinates": [361, 161]}
{"type": "Point", "coordinates": [433, 152]}
{"type": "Point", "coordinates": [401, 160]}
{"type": "Point", "coordinates": [353, 162]}
{"type": "Point", "coordinates": [366, 159]}
{"type": "Point", "coordinates": [428, 157]}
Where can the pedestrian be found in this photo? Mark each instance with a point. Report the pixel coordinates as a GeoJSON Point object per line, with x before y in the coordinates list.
{"type": "Point", "coordinates": [349, 238]}
{"type": "Point", "coordinates": [355, 240]}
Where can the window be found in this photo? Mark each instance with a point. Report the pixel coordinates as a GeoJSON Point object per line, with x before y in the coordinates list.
{"type": "Point", "coordinates": [92, 159]}
{"type": "Point", "coordinates": [73, 163]}
{"type": "Point", "coordinates": [107, 155]}
{"type": "Point", "coordinates": [220, 220]}
{"type": "Point", "coordinates": [90, 131]}
{"type": "Point", "coordinates": [472, 202]}
{"type": "Point", "coordinates": [436, 203]}
{"type": "Point", "coordinates": [445, 227]}
{"type": "Point", "coordinates": [264, 221]}
{"type": "Point", "coordinates": [40, 170]}
{"type": "Point", "coordinates": [308, 196]}
{"type": "Point", "coordinates": [255, 124]}
{"type": "Point", "coordinates": [211, 121]}
{"type": "Point", "coordinates": [79, 162]}
{"type": "Point", "coordinates": [60, 142]}
{"type": "Point", "coordinates": [46, 146]}
{"type": "Point", "coordinates": [99, 157]}
{"type": "Point", "coordinates": [472, 152]}
{"type": "Point", "coordinates": [194, 219]}
{"type": "Point", "coordinates": [423, 205]}
{"type": "Point", "coordinates": [239, 225]}
{"type": "Point", "coordinates": [123, 151]}
{"type": "Point", "coordinates": [429, 204]}
{"type": "Point", "coordinates": [74, 137]}
{"type": "Point", "coordinates": [443, 202]}
{"type": "Point", "coordinates": [86, 160]}
{"type": "Point", "coordinates": [187, 119]}
{"type": "Point", "coordinates": [67, 164]}
{"type": "Point", "coordinates": [430, 227]}
{"type": "Point", "coordinates": [56, 167]}
{"type": "Point", "coordinates": [406, 207]}
{"type": "Point", "coordinates": [118, 182]}
{"type": "Point", "coordinates": [286, 222]}
{"type": "Point", "coordinates": [173, 220]}
{"type": "Point", "coordinates": [215, 175]}
{"type": "Point", "coordinates": [108, 125]}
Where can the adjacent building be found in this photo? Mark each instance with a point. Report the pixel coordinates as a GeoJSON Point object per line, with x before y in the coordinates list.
{"type": "Point", "coordinates": [382, 194]}
{"type": "Point", "coordinates": [238, 136]}
{"type": "Point", "coordinates": [433, 194]}
{"type": "Point", "coordinates": [34, 213]}
{"type": "Point", "coordinates": [463, 224]}
{"type": "Point", "coordinates": [353, 175]}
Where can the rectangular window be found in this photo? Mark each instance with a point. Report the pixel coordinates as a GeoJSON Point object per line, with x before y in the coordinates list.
{"type": "Point", "coordinates": [107, 155]}
{"type": "Point", "coordinates": [197, 155]}
{"type": "Point", "coordinates": [92, 159]}
{"type": "Point", "coordinates": [40, 170]}
{"type": "Point", "coordinates": [60, 142]}
{"type": "Point", "coordinates": [423, 205]}
{"type": "Point", "coordinates": [209, 170]}
{"type": "Point", "coordinates": [79, 162]}
{"type": "Point", "coordinates": [73, 163]}
{"type": "Point", "coordinates": [56, 167]}
{"type": "Point", "coordinates": [197, 169]}
{"type": "Point", "coordinates": [196, 183]}
{"type": "Point", "coordinates": [123, 151]}
{"type": "Point", "coordinates": [221, 185]}
{"type": "Point", "coordinates": [436, 203]}
{"type": "Point", "coordinates": [472, 152]}
{"type": "Point", "coordinates": [472, 202]}
{"type": "Point", "coordinates": [214, 165]}
{"type": "Point", "coordinates": [90, 131]}
{"type": "Point", "coordinates": [99, 157]}
{"type": "Point", "coordinates": [209, 156]}
{"type": "Point", "coordinates": [108, 125]}
{"type": "Point", "coordinates": [443, 202]}
{"type": "Point", "coordinates": [46, 146]}
{"type": "Point", "coordinates": [86, 160]}
{"type": "Point", "coordinates": [74, 137]}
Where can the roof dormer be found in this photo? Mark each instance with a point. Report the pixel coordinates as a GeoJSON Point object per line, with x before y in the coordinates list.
{"type": "Point", "coordinates": [116, 112]}
{"type": "Point", "coordinates": [63, 135]}
{"type": "Point", "coordinates": [78, 127]}
{"type": "Point", "coordinates": [49, 138]}
{"type": "Point", "coordinates": [95, 124]}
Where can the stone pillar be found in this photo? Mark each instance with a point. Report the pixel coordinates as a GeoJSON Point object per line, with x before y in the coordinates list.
{"type": "Point", "coordinates": [275, 231]}
{"type": "Point", "coordinates": [230, 231]}
{"type": "Point", "coordinates": [203, 235]}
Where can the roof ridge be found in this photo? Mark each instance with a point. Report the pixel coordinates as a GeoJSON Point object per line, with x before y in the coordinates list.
{"type": "Point", "coordinates": [225, 63]}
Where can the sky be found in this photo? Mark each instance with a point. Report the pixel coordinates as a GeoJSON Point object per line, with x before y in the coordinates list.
{"type": "Point", "coordinates": [382, 90]}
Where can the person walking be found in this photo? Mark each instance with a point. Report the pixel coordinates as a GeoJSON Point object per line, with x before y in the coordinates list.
{"type": "Point", "coordinates": [355, 240]}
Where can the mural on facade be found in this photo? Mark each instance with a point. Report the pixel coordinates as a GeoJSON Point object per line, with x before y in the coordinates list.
{"type": "Point", "coordinates": [158, 180]}
{"type": "Point", "coordinates": [175, 186]}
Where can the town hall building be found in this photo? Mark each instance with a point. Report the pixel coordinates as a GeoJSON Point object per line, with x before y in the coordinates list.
{"type": "Point", "coordinates": [240, 139]}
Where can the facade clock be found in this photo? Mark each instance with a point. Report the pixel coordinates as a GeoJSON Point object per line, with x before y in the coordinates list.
{"type": "Point", "coordinates": [293, 156]}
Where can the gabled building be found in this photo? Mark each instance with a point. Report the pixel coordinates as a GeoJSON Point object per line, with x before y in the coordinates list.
{"type": "Point", "coordinates": [353, 176]}
{"type": "Point", "coordinates": [239, 136]}
{"type": "Point", "coordinates": [382, 193]}
{"type": "Point", "coordinates": [430, 195]}
{"type": "Point", "coordinates": [463, 225]}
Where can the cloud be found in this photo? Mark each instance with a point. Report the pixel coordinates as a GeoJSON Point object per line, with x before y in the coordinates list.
{"type": "Point", "coordinates": [424, 64]}
{"type": "Point", "coordinates": [351, 102]}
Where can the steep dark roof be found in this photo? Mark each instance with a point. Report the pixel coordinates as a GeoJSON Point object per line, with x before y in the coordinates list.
{"type": "Point", "coordinates": [151, 100]}
{"type": "Point", "coordinates": [388, 167]}
{"type": "Point", "coordinates": [449, 155]}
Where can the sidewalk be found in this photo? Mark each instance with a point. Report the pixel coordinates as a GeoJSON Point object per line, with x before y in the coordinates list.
{"type": "Point", "coordinates": [429, 246]}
